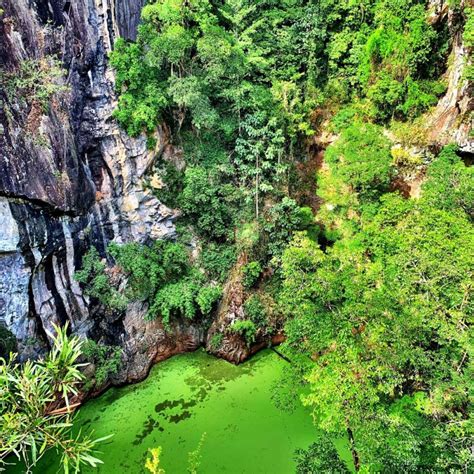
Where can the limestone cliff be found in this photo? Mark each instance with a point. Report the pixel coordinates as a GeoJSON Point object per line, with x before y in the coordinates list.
{"type": "Point", "coordinates": [69, 177]}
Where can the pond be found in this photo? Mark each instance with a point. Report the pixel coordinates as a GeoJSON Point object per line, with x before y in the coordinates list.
{"type": "Point", "coordinates": [192, 395]}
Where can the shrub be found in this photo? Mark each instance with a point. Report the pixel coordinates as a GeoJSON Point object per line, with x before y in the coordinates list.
{"type": "Point", "coordinates": [246, 329]}
{"type": "Point", "coordinates": [207, 298]}
{"type": "Point", "coordinates": [207, 201]}
{"type": "Point", "coordinates": [450, 183]}
{"type": "Point", "coordinates": [150, 267]}
{"type": "Point", "coordinates": [321, 456]}
{"type": "Point", "coordinates": [282, 221]}
{"type": "Point", "coordinates": [106, 359]}
{"type": "Point", "coordinates": [175, 299]}
{"type": "Point", "coordinates": [216, 341]}
{"type": "Point", "coordinates": [248, 236]}
{"type": "Point", "coordinates": [255, 310]}
{"type": "Point", "coordinates": [251, 272]}
{"type": "Point", "coordinates": [36, 80]}
{"type": "Point", "coordinates": [361, 158]}
{"type": "Point", "coordinates": [96, 282]}
{"type": "Point", "coordinates": [217, 260]}
{"type": "Point", "coordinates": [7, 342]}
{"type": "Point", "coordinates": [173, 180]}
{"type": "Point", "coordinates": [34, 400]}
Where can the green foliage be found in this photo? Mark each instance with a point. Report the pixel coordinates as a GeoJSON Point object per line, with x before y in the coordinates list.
{"type": "Point", "coordinates": [450, 183]}
{"type": "Point", "coordinates": [97, 283]}
{"type": "Point", "coordinates": [283, 219]}
{"type": "Point", "coordinates": [207, 297]}
{"type": "Point", "coordinates": [150, 267]}
{"type": "Point", "coordinates": [251, 273]}
{"type": "Point", "coordinates": [143, 87]}
{"type": "Point", "coordinates": [173, 180]}
{"type": "Point", "coordinates": [259, 151]}
{"type": "Point", "coordinates": [246, 329]}
{"type": "Point", "coordinates": [256, 311]}
{"type": "Point", "coordinates": [34, 407]}
{"type": "Point", "coordinates": [160, 273]}
{"type": "Point", "coordinates": [468, 39]}
{"type": "Point", "coordinates": [321, 456]}
{"type": "Point", "coordinates": [216, 341]}
{"type": "Point", "coordinates": [361, 158]}
{"type": "Point", "coordinates": [36, 81]}
{"type": "Point", "coordinates": [402, 53]}
{"type": "Point", "coordinates": [248, 236]}
{"type": "Point", "coordinates": [382, 313]}
{"type": "Point", "coordinates": [207, 201]}
{"type": "Point", "coordinates": [176, 299]}
{"type": "Point", "coordinates": [7, 342]}
{"type": "Point", "coordinates": [217, 260]}
{"type": "Point", "coordinates": [378, 317]}
{"type": "Point", "coordinates": [107, 360]}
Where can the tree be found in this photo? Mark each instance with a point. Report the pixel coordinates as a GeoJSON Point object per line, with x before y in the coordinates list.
{"type": "Point", "coordinates": [37, 405]}
{"type": "Point", "coordinates": [384, 316]}
{"type": "Point", "coordinates": [259, 155]}
{"type": "Point", "coordinates": [320, 457]}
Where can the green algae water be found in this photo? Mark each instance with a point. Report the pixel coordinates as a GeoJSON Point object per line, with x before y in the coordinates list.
{"type": "Point", "coordinates": [187, 396]}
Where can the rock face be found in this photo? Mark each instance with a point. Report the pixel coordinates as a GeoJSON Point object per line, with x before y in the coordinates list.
{"type": "Point", "coordinates": [69, 177]}
{"type": "Point", "coordinates": [452, 120]}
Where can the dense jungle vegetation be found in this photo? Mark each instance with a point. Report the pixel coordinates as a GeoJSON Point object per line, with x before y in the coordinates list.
{"type": "Point", "coordinates": [371, 281]}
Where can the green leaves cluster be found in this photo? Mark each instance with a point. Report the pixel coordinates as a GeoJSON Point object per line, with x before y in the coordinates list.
{"type": "Point", "coordinates": [251, 272]}
{"type": "Point", "coordinates": [97, 282]}
{"type": "Point", "coordinates": [361, 158]}
{"type": "Point", "coordinates": [160, 273]}
{"type": "Point", "coordinates": [35, 407]}
{"type": "Point", "coordinates": [246, 329]}
{"type": "Point", "coordinates": [256, 311]}
{"type": "Point", "coordinates": [107, 360]}
{"type": "Point", "coordinates": [36, 81]}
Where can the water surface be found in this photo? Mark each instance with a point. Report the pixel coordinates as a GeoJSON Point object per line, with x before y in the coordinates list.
{"type": "Point", "coordinates": [192, 394]}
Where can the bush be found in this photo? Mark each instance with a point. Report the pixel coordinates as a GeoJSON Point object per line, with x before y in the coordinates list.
{"type": "Point", "coordinates": [320, 457]}
{"type": "Point", "coordinates": [216, 341]}
{"type": "Point", "coordinates": [34, 400]}
{"type": "Point", "coordinates": [150, 267]}
{"type": "Point", "coordinates": [106, 359]}
{"type": "Point", "coordinates": [7, 342]}
{"type": "Point", "coordinates": [96, 282]}
{"type": "Point", "coordinates": [282, 221]}
{"type": "Point", "coordinates": [207, 201]}
{"type": "Point", "coordinates": [255, 310]}
{"type": "Point", "coordinates": [217, 260]}
{"type": "Point", "coordinates": [361, 158]}
{"type": "Point", "coordinates": [173, 180]}
{"type": "Point", "coordinates": [36, 81]}
{"type": "Point", "coordinates": [450, 183]}
{"type": "Point", "coordinates": [248, 236]}
{"type": "Point", "coordinates": [251, 273]}
{"type": "Point", "coordinates": [176, 299]}
{"type": "Point", "coordinates": [246, 329]}
{"type": "Point", "coordinates": [207, 298]}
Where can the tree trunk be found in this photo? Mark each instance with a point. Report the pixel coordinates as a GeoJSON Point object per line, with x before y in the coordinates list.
{"type": "Point", "coordinates": [355, 455]}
